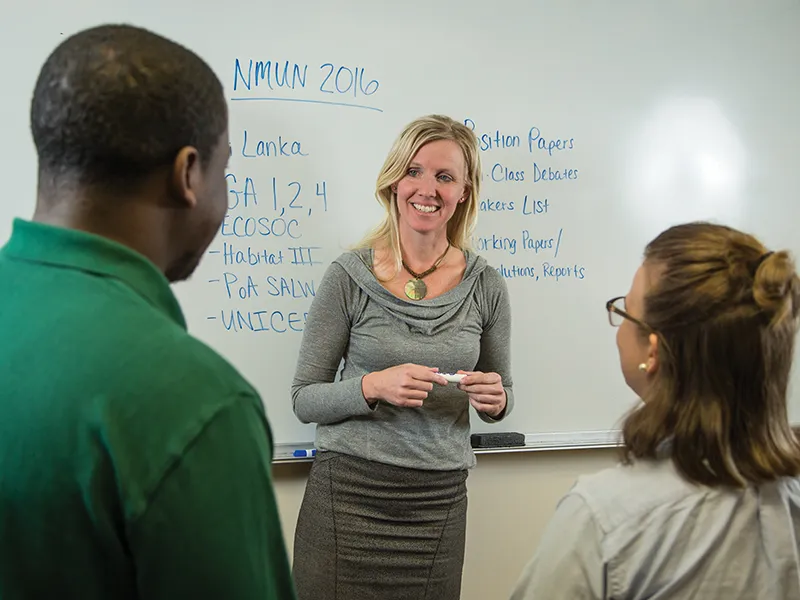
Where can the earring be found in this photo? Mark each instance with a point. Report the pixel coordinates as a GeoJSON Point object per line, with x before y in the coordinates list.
{"type": "Point", "coordinates": [643, 367]}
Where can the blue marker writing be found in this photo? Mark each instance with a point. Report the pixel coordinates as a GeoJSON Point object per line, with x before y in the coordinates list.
{"type": "Point", "coordinates": [304, 453]}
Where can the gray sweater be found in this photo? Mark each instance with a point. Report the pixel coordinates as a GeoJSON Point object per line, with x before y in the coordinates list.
{"type": "Point", "coordinates": [355, 319]}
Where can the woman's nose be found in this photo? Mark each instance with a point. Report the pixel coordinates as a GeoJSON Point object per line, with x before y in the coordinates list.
{"type": "Point", "coordinates": [427, 187]}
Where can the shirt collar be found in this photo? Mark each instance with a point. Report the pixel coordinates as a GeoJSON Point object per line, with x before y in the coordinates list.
{"type": "Point", "coordinates": [72, 249]}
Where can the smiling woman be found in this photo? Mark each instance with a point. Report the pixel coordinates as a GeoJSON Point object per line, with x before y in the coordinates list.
{"type": "Point", "coordinates": [409, 303]}
{"type": "Point", "coordinates": [434, 184]}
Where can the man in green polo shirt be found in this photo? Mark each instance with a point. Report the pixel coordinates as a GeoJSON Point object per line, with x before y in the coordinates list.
{"type": "Point", "coordinates": [134, 461]}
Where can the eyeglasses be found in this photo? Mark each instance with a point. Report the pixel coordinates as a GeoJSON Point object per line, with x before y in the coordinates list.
{"type": "Point", "coordinates": [617, 313]}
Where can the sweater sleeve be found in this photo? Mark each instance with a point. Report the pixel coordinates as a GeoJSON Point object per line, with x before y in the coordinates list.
{"type": "Point", "coordinates": [316, 396]}
{"type": "Point", "coordinates": [495, 356]}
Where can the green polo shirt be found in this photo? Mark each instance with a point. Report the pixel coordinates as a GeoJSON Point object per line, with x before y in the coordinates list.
{"type": "Point", "coordinates": [134, 461]}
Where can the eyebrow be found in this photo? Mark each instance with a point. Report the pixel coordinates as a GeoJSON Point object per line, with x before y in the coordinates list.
{"type": "Point", "coordinates": [448, 170]}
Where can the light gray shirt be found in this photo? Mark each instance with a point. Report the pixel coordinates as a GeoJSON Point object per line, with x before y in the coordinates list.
{"type": "Point", "coordinates": [353, 317]}
{"type": "Point", "coordinates": [641, 531]}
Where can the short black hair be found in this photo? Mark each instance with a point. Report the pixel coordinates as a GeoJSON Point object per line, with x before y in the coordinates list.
{"type": "Point", "coordinates": [115, 102]}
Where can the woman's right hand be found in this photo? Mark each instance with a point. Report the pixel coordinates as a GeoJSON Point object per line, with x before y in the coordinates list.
{"type": "Point", "coordinates": [403, 385]}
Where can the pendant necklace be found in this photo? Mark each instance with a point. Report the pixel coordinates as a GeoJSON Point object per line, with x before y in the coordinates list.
{"type": "Point", "coordinates": [415, 288]}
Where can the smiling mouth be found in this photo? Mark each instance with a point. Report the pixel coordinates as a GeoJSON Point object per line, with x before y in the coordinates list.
{"type": "Point", "coordinates": [425, 208]}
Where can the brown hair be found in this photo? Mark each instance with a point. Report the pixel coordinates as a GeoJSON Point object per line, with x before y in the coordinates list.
{"type": "Point", "coordinates": [725, 311]}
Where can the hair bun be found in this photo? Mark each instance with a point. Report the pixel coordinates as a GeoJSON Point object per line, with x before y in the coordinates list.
{"type": "Point", "coordinates": [776, 287]}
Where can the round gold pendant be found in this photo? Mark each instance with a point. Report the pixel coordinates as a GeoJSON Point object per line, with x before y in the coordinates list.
{"type": "Point", "coordinates": [416, 289]}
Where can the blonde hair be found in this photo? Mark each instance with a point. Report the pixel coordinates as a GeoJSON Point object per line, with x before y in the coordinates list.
{"type": "Point", "coordinates": [726, 313]}
{"type": "Point", "coordinates": [416, 134]}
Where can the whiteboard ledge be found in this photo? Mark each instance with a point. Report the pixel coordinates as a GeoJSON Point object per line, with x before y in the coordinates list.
{"type": "Point", "coordinates": [534, 442]}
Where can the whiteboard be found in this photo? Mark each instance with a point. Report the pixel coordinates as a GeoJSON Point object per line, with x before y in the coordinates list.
{"type": "Point", "coordinates": [601, 123]}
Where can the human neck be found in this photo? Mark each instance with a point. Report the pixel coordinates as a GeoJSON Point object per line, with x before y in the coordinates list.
{"type": "Point", "coordinates": [135, 224]}
{"type": "Point", "coordinates": [420, 252]}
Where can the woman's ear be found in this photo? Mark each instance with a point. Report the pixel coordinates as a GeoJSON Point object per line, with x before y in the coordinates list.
{"type": "Point", "coordinates": [652, 354]}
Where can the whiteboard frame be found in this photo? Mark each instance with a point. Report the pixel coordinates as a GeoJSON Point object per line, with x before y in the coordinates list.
{"type": "Point", "coordinates": [534, 442]}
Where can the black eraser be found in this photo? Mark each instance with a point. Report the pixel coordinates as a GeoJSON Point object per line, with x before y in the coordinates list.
{"type": "Point", "coordinates": [507, 439]}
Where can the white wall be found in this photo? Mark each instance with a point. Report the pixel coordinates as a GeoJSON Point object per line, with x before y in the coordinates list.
{"type": "Point", "coordinates": [511, 498]}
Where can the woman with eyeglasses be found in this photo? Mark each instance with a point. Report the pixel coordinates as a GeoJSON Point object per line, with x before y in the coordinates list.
{"type": "Point", "coordinates": [706, 503]}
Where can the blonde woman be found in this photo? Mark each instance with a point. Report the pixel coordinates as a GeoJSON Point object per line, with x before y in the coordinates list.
{"type": "Point", "coordinates": [384, 513]}
{"type": "Point", "coordinates": [707, 503]}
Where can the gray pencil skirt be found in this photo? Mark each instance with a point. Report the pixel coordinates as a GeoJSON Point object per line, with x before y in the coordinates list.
{"type": "Point", "coordinates": [370, 531]}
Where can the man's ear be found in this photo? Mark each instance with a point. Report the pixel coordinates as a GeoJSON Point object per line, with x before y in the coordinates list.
{"type": "Point", "coordinates": [186, 177]}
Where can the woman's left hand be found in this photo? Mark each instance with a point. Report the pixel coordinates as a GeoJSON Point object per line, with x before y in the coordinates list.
{"type": "Point", "coordinates": [485, 391]}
